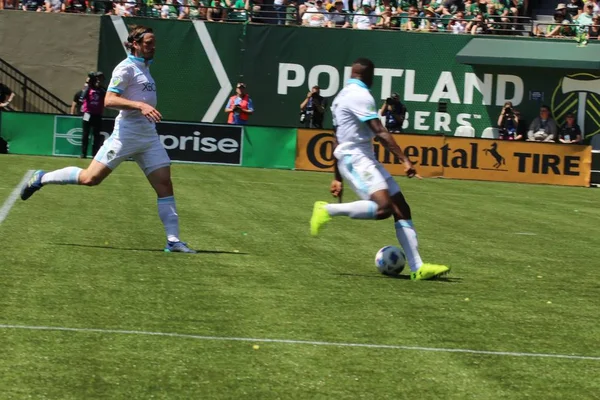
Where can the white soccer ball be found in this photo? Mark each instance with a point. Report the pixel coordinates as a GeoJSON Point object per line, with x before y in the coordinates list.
{"type": "Point", "coordinates": [390, 260]}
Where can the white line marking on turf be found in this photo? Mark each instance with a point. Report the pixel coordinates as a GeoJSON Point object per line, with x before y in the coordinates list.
{"type": "Point", "coordinates": [10, 201]}
{"type": "Point", "coordinates": [526, 233]}
{"type": "Point", "coordinates": [305, 342]}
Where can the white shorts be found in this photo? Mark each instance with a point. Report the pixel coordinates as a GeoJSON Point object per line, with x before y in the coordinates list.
{"type": "Point", "coordinates": [148, 153]}
{"type": "Point", "coordinates": [366, 176]}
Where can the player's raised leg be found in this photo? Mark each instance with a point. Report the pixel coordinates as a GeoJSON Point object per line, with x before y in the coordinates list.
{"type": "Point", "coordinates": [160, 179]}
{"type": "Point", "coordinates": [407, 237]}
{"type": "Point", "coordinates": [91, 176]}
{"type": "Point", "coordinates": [366, 181]}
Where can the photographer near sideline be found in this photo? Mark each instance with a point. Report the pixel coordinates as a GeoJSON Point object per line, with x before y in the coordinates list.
{"type": "Point", "coordinates": [312, 109]}
{"type": "Point", "coordinates": [508, 123]}
{"type": "Point", "coordinates": [394, 112]}
{"type": "Point", "coordinates": [92, 107]}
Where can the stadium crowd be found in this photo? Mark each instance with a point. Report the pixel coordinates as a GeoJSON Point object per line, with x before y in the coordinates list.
{"type": "Point", "coordinates": [457, 16]}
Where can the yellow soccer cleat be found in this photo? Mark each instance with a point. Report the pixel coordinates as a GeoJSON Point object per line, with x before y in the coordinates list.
{"type": "Point", "coordinates": [320, 217]}
{"type": "Point", "coordinates": [429, 271]}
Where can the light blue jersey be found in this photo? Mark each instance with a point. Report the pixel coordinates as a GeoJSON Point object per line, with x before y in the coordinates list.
{"type": "Point", "coordinates": [132, 80]}
{"type": "Point", "coordinates": [351, 109]}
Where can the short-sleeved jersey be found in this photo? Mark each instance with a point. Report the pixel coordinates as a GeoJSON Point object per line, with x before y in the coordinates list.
{"type": "Point", "coordinates": [132, 80]}
{"type": "Point", "coordinates": [352, 108]}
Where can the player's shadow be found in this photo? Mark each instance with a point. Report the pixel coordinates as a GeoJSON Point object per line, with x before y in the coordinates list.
{"type": "Point", "coordinates": [446, 279]}
{"type": "Point", "coordinates": [138, 249]}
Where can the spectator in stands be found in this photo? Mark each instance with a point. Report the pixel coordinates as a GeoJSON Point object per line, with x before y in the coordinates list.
{"type": "Point", "coordinates": [543, 128]}
{"type": "Point", "coordinates": [312, 109]}
{"type": "Point", "coordinates": [570, 132]}
{"type": "Point", "coordinates": [585, 18]}
{"type": "Point", "coordinates": [457, 24]}
{"type": "Point", "coordinates": [172, 9]}
{"type": "Point", "coordinates": [450, 7]}
{"type": "Point", "coordinates": [404, 5]}
{"type": "Point", "coordinates": [316, 16]}
{"type": "Point", "coordinates": [291, 12]}
{"type": "Point", "coordinates": [76, 6]}
{"type": "Point", "coordinates": [9, 5]}
{"type": "Point", "coordinates": [239, 107]}
{"type": "Point", "coordinates": [33, 5]}
{"type": "Point", "coordinates": [365, 18]}
{"type": "Point", "coordinates": [561, 9]}
{"type": "Point", "coordinates": [574, 8]}
{"type": "Point", "coordinates": [553, 29]}
{"type": "Point", "coordinates": [429, 21]}
{"type": "Point", "coordinates": [567, 30]}
{"type": "Point", "coordinates": [338, 17]}
{"type": "Point", "coordinates": [387, 15]}
{"type": "Point", "coordinates": [594, 28]}
{"type": "Point", "coordinates": [216, 12]}
{"type": "Point", "coordinates": [495, 13]}
{"type": "Point", "coordinates": [508, 122]}
{"type": "Point", "coordinates": [195, 9]}
{"type": "Point", "coordinates": [55, 6]}
{"type": "Point", "coordinates": [436, 5]}
{"type": "Point", "coordinates": [478, 25]}
{"type": "Point", "coordinates": [412, 22]}
{"type": "Point", "coordinates": [385, 18]}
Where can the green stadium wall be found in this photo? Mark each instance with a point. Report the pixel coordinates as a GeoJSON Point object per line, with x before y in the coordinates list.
{"type": "Point", "coordinates": [280, 63]}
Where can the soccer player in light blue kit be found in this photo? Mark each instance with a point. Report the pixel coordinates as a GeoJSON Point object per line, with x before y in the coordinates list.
{"type": "Point", "coordinates": [356, 122]}
{"type": "Point", "coordinates": [132, 90]}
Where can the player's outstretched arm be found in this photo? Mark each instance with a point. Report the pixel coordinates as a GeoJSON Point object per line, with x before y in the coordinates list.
{"type": "Point", "coordinates": [114, 100]}
{"type": "Point", "coordinates": [389, 143]}
{"type": "Point", "coordinates": [337, 186]}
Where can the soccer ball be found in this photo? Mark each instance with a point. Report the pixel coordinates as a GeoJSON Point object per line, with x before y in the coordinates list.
{"type": "Point", "coordinates": [390, 260]}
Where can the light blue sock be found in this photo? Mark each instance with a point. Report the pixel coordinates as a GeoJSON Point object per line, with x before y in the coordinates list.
{"type": "Point", "coordinates": [65, 176]}
{"type": "Point", "coordinates": [167, 211]}
{"type": "Point", "coordinates": [407, 237]}
{"type": "Point", "coordinates": [362, 209]}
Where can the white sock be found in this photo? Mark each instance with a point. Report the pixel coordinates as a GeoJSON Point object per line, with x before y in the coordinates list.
{"type": "Point", "coordinates": [407, 236]}
{"type": "Point", "coordinates": [168, 215]}
{"type": "Point", "coordinates": [362, 209]}
{"type": "Point", "coordinates": [65, 176]}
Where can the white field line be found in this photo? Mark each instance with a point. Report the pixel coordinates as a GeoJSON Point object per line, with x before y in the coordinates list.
{"type": "Point", "coordinates": [300, 342]}
{"type": "Point", "coordinates": [12, 198]}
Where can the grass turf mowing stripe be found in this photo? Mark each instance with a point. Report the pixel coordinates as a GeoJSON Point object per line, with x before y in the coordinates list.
{"type": "Point", "coordinates": [10, 201]}
{"type": "Point", "coordinates": [304, 342]}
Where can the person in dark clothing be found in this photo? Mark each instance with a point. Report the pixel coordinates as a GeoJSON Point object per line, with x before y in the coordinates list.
{"type": "Point", "coordinates": [92, 107]}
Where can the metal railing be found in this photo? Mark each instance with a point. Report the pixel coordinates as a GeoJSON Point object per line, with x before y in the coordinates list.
{"type": "Point", "coordinates": [30, 96]}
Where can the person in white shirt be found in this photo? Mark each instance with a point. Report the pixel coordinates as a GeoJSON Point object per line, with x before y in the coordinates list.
{"type": "Point", "coordinates": [356, 122]}
{"type": "Point", "coordinates": [365, 19]}
{"type": "Point", "coordinates": [316, 16]}
{"type": "Point", "coordinates": [132, 90]}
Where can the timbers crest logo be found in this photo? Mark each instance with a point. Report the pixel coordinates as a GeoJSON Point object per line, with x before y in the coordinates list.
{"type": "Point", "coordinates": [578, 94]}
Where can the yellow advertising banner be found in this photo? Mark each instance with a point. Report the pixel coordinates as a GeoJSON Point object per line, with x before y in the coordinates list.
{"type": "Point", "coordinates": [463, 158]}
{"type": "Point", "coordinates": [527, 162]}
{"type": "Point", "coordinates": [314, 152]}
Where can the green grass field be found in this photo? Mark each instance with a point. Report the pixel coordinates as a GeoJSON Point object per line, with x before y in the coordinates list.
{"type": "Point", "coordinates": [524, 279]}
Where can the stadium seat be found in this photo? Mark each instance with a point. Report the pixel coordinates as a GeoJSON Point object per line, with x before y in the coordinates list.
{"type": "Point", "coordinates": [464, 131]}
{"type": "Point", "coordinates": [490, 133]}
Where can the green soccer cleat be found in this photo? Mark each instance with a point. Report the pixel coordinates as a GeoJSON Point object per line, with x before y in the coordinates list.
{"type": "Point", "coordinates": [320, 217]}
{"type": "Point", "coordinates": [429, 271]}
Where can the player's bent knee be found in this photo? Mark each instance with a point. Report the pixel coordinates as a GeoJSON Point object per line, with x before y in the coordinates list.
{"type": "Point", "coordinates": [89, 180]}
{"type": "Point", "coordinates": [384, 211]}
